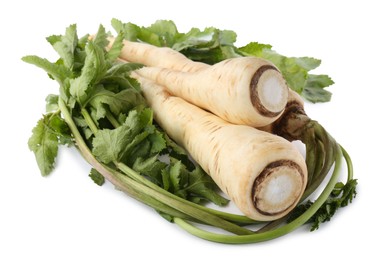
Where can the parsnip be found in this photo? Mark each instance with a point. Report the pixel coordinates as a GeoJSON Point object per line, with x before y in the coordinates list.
{"type": "Point", "coordinates": [263, 174]}
{"type": "Point", "coordinates": [150, 55]}
{"type": "Point", "coordinates": [245, 90]}
{"type": "Point", "coordinates": [283, 125]}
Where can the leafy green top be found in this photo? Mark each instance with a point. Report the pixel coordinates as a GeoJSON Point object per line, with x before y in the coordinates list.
{"type": "Point", "coordinates": [99, 99]}
{"type": "Point", "coordinates": [106, 104]}
{"type": "Point", "coordinates": [342, 194]}
{"type": "Point", "coordinates": [213, 45]}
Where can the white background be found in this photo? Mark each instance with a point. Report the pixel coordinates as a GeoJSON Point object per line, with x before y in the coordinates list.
{"type": "Point", "coordinates": [67, 216]}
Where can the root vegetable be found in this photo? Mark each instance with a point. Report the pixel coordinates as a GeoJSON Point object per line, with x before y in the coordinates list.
{"type": "Point", "coordinates": [245, 90]}
{"type": "Point", "coordinates": [283, 124]}
{"type": "Point", "coordinates": [89, 102]}
{"type": "Point", "coordinates": [150, 55]}
{"type": "Point", "coordinates": [263, 174]}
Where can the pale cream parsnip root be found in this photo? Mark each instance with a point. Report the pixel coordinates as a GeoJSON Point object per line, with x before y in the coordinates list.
{"type": "Point", "coordinates": [244, 90]}
{"type": "Point", "coordinates": [150, 55]}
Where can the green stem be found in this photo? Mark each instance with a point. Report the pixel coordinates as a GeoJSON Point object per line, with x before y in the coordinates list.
{"type": "Point", "coordinates": [349, 163]}
{"type": "Point", "coordinates": [330, 145]}
{"type": "Point", "coordinates": [91, 124]}
{"type": "Point", "coordinates": [200, 215]}
{"type": "Point", "coordinates": [322, 136]}
{"type": "Point", "coordinates": [320, 159]}
{"type": "Point", "coordinates": [112, 119]}
{"type": "Point", "coordinates": [272, 224]}
{"type": "Point", "coordinates": [311, 148]}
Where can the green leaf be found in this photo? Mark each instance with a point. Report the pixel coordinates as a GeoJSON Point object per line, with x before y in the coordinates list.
{"type": "Point", "coordinates": [227, 37]}
{"type": "Point", "coordinates": [139, 119]}
{"type": "Point", "coordinates": [117, 83]}
{"type": "Point", "coordinates": [150, 167]}
{"type": "Point", "coordinates": [49, 132]}
{"type": "Point", "coordinates": [307, 63]}
{"type": "Point", "coordinates": [162, 33]}
{"type": "Point", "coordinates": [109, 145]}
{"type": "Point", "coordinates": [116, 48]}
{"type": "Point", "coordinates": [158, 142]}
{"type": "Point", "coordinates": [52, 39]}
{"type": "Point", "coordinates": [146, 116]}
{"type": "Point", "coordinates": [121, 68]}
{"type": "Point", "coordinates": [165, 179]}
{"type": "Point", "coordinates": [254, 49]}
{"type": "Point", "coordinates": [174, 146]}
{"type": "Point", "coordinates": [130, 30]}
{"type": "Point", "coordinates": [44, 144]}
{"type": "Point", "coordinates": [142, 151]}
{"type": "Point", "coordinates": [55, 71]}
{"type": "Point", "coordinates": [65, 45]}
{"type": "Point", "coordinates": [193, 38]}
{"type": "Point", "coordinates": [93, 70]}
{"type": "Point", "coordinates": [165, 30]}
{"type": "Point", "coordinates": [120, 102]}
{"type": "Point", "coordinates": [117, 25]}
{"type": "Point", "coordinates": [65, 93]}
{"type": "Point", "coordinates": [82, 124]}
{"type": "Point", "coordinates": [340, 197]}
{"type": "Point", "coordinates": [175, 175]}
{"type": "Point", "coordinates": [314, 89]}
{"type": "Point", "coordinates": [143, 165]}
{"type": "Point", "coordinates": [61, 129]}
{"type": "Point", "coordinates": [100, 39]}
{"type": "Point", "coordinates": [210, 46]}
{"type": "Point", "coordinates": [51, 103]}
{"type": "Point", "coordinates": [80, 56]}
{"type": "Point", "coordinates": [136, 140]}
{"type": "Point", "coordinates": [202, 185]}
{"type": "Point", "coordinates": [347, 192]}
{"type": "Point", "coordinates": [96, 177]}
{"type": "Point", "coordinates": [292, 71]}
{"type": "Point", "coordinates": [114, 145]}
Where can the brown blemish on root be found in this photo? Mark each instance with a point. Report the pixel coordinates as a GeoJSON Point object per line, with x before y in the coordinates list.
{"type": "Point", "coordinates": [215, 129]}
{"type": "Point", "coordinates": [216, 161]}
{"type": "Point", "coordinates": [293, 123]}
{"type": "Point", "coordinates": [254, 96]}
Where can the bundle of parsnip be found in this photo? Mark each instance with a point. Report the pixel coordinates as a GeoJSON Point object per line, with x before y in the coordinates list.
{"type": "Point", "coordinates": [262, 173]}
{"type": "Point", "coordinates": [158, 123]}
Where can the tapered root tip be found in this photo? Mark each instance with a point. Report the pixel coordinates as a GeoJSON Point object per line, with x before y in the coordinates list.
{"type": "Point", "coordinates": [278, 188]}
{"type": "Point", "coordinates": [269, 91]}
